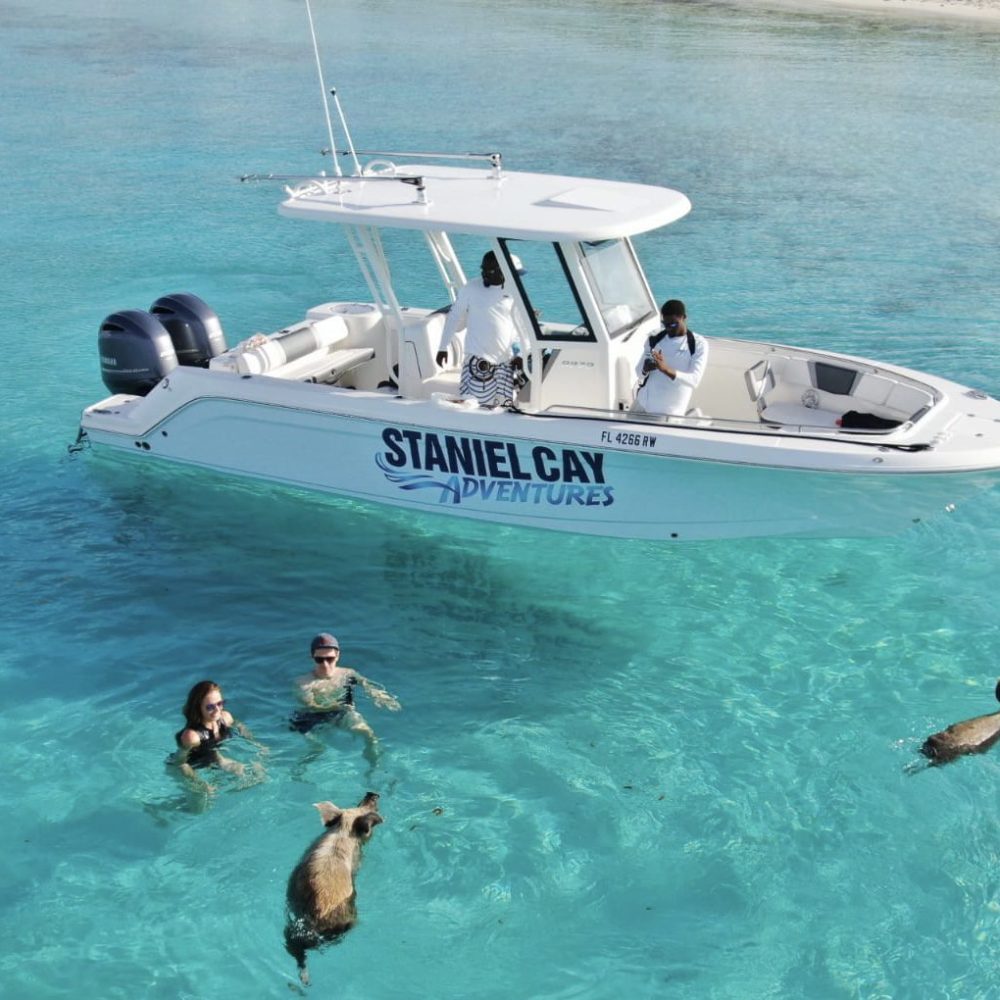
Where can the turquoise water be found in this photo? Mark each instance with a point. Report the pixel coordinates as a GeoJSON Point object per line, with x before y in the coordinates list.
{"type": "Point", "coordinates": [621, 769]}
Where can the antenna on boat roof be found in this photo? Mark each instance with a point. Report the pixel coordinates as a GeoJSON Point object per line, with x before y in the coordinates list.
{"type": "Point", "coordinates": [322, 88]}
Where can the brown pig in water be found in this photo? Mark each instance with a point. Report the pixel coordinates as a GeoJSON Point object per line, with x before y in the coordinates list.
{"type": "Point", "coordinates": [321, 888]}
{"type": "Point", "coordinates": [971, 736]}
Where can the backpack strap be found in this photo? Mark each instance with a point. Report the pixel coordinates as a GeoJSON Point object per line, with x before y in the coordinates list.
{"type": "Point", "coordinates": [657, 337]}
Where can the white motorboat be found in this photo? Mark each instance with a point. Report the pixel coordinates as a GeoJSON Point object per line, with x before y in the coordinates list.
{"type": "Point", "coordinates": [348, 398]}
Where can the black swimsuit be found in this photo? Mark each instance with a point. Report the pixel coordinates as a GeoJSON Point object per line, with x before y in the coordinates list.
{"type": "Point", "coordinates": [205, 754]}
{"type": "Point", "coordinates": [304, 720]}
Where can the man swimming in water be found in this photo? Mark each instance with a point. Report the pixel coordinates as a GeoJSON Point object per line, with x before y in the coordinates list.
{"type": "Point", "coordinates": [328, 695]}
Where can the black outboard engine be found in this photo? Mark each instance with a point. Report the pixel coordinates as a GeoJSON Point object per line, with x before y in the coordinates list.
{"type": "Point", "coordinates": [136, 352]}
{"type": "Point", "coordinates": [193, 326]}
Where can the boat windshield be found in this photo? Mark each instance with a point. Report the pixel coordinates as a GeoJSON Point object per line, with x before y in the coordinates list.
{"type": "Point", "coordinates": [611, 272]}
{"type": "Point", "coordinates": [548, 291]}
{"type": "Point", "coordinates": [617, 283]}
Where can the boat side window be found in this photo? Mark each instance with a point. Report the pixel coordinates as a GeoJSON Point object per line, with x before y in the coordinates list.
{"type": "Point", "coordinates": [617, 283]}
{"type": "Point", "coordinates": [548, 292]}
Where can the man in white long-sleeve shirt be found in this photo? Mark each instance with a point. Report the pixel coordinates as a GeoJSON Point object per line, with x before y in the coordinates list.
{"type": "Point", "coordinates": [671, 366]}
{"type": "Point", "coordinates": [490, 372]}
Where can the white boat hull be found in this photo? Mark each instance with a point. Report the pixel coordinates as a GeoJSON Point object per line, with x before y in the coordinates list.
{"type": "Point", "coordinates": [590, 476]}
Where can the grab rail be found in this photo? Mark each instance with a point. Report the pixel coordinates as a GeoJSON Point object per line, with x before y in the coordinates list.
{"type": "Point", "coordinates": [706, 424]}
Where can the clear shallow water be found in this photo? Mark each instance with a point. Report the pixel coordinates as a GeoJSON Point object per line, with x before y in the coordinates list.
{"type": "Point", "coordinates": [659, 771]}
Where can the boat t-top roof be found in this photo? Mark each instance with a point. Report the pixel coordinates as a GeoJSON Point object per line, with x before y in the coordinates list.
{"type": "Point", "coordinates": [508, 204]}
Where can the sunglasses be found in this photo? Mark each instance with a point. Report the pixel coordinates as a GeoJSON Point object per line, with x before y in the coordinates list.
{"type": "Point", "coordinates": [215, 706]}
{"type": "Point", "coordinates": [326, 659]}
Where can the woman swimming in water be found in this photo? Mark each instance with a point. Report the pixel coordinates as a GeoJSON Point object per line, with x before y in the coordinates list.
{"type": "Point", "coordinates": [207, 725]}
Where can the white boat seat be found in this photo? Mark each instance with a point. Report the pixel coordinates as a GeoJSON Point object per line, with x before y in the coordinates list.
{"type": "Point", "coordinates": [297, 352]}
{"type": "Point", "coordinates": [338, 363]}
{"type": "Point", "coordinates": [797, 414]}
{"type": "Point", "coordinates": [421, 341]}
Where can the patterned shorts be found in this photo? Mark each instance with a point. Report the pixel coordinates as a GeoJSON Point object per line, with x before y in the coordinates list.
{"type": "Point", "coordinates": [489, 384]}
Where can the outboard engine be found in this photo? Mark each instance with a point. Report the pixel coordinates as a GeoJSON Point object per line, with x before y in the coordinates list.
{"type": "Point", "coordinates": [193, 326]}
{"type": "Point", "coordinates": [136, 352]}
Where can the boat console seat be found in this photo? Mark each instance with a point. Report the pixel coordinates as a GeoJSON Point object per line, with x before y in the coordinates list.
{"type": "Point", "coordinates": [419, 374]}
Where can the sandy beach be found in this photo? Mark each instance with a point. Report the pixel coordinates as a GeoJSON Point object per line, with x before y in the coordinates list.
{"type": "Point", "coordinates": [984, 11]}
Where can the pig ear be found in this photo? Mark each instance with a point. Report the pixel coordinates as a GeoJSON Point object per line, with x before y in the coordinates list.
{"type": "Point", "coordinates": [364, 823]}
{"type": "Point", "coordinates": [328, 812]}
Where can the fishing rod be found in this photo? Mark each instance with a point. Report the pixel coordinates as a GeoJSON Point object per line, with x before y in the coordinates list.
{"type": "Point", "coordinates": [494, 159]}
{"type": "Point", "coordinates": [322, 87]}
{"type": "Point", "coordinates": [347, 133]}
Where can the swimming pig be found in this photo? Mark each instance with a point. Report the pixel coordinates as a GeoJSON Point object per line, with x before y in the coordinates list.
{"type": "Point", "coordinates": [972, 736]}
{"type": "Point", "coordinates": [321, 889]}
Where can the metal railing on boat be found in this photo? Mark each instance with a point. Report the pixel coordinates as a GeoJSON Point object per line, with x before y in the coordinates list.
{"type": "Point", "coordinates": [705, 423]}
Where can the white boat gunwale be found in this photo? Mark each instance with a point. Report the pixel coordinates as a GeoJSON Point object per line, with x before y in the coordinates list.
{"type": "Point", "coordinates": [690, 439]}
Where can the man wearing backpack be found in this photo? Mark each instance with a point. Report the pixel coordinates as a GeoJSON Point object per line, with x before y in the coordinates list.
{"type": "Point", "coordinates": [671, 365]}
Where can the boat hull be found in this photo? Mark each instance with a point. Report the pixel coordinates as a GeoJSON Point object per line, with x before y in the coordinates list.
{"type": "Point", "coordinates": [589, 477]}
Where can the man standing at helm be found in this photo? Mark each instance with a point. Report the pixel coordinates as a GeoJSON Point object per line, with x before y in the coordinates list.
{"type": "Point", "coordinates": [490, 372]}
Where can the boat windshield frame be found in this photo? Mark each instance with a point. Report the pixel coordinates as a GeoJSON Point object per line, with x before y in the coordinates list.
{"type": "Point", "coordinates": [621, 312]}
{"type": "Point", "coordinates": [581, 331]}
{"type": "Point", "coordinates": [602, 313]}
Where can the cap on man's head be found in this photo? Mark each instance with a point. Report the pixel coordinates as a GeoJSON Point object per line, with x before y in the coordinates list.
{"type": "Point", "coordinates": [324, 641]}
{"type": "Point", "coordinates": [490, 262]}
{"type": "Point", "coordinates": [673, 307]}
